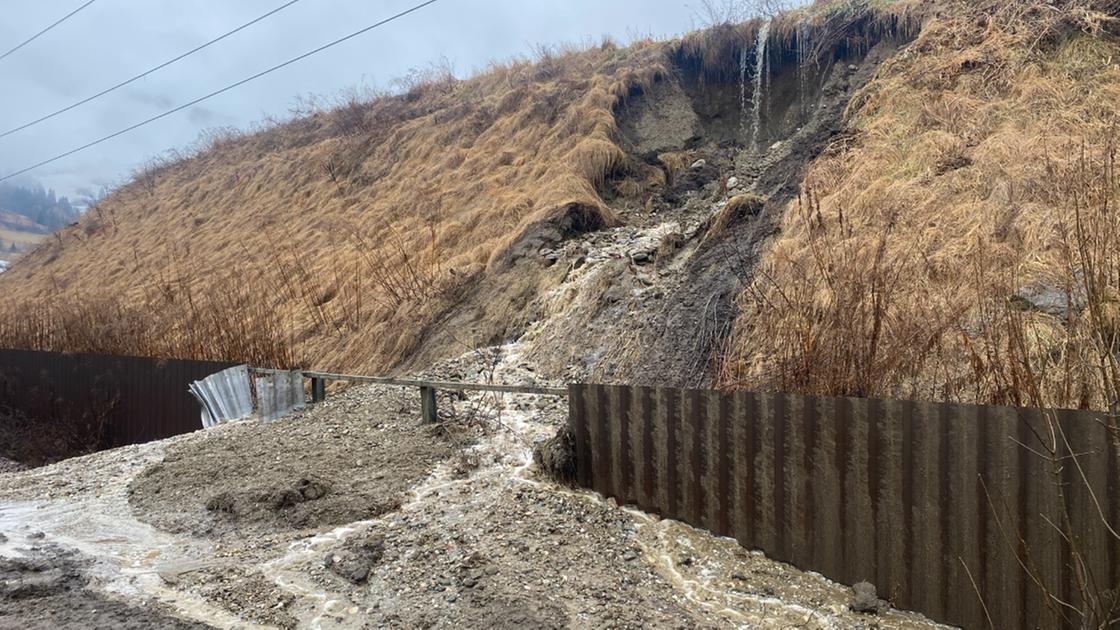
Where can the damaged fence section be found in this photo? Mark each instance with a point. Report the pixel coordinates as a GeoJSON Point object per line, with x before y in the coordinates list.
{"type": "Point", "coordinates": [228, 395]}
{"type": "Point", "coordinates": [224, 396]}
{"type": "Point", "coordinates": [952, 510]}
{"type": "Point", "coordinates": [279, 393]}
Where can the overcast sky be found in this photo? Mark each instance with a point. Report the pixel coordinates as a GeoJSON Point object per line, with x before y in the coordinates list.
{"type": "Point", "coordinates": [112, 40]}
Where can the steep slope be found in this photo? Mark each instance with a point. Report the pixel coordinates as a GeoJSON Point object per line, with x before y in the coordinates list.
{"type": "Point", "coordinates": [347, 238]}
{"type": "Point", "coordinates": [858, 198]}
{"type": "Point", "coordinates": [341, 233]}
{"type": "Point", "coordinates": [960, 242]}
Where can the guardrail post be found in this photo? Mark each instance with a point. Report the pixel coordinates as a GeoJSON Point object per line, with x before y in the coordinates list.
{"type": "Point", "coordinates": [428, 404]}
{"type": "Point", "coordinates": [318, 390]}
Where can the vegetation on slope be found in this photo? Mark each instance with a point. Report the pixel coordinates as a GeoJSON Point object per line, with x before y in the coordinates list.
{"type": "Point", "coordinates": [340, 234]}
{"type": "Point", "coordinates": [961, 242]}
{"type": "Point", "coordinates": [957, 244]}
{"type": "Point", "coordinates": [341, 237]}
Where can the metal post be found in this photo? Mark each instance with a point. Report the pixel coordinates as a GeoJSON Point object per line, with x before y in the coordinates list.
{"type": "Point", "coordinates": [428, 404]}
{"type": "Point", "coordinates": [318, 390]}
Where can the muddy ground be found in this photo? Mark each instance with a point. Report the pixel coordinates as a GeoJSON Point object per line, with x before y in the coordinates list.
{"type": "Point", "coordinates": [352, 458]}
{"type": "Point", "coordinates": [46, 587]}
{"type": "Point", "coordinates": [412, 527]}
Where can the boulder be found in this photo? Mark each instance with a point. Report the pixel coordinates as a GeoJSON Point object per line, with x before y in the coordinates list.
{"type": "Point", "coordinates": [866, 600]}
{"type": "Point", "coordinates": [556, 456]}
{"type": "Point", "coordinates": [356, 559]}
{"type": "Point", "coordinates": [1049, 299]}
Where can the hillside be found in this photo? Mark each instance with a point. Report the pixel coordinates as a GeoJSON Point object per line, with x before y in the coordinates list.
{"type": "Point", "coordinates": [27, 216]}
{"type": "Point", "coordinates": [880, 198]}
{"type": "Point", "coordinates": [18, 234]}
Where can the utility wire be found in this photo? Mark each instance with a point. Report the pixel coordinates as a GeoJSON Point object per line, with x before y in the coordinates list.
{"type": "Point", "coordinates": [146, 73]}
{"type": "Point", "coordinates": [42, 32]}
{"type": "Point", "coordinates": [221, 91]}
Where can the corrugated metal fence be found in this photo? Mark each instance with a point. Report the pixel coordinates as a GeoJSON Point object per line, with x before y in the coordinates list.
{"type": "Point", "coordinates": [142, 399]}
{"type": "Point", "coordinates": [921, 499]}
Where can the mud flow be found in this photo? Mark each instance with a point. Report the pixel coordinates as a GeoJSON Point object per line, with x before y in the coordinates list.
{"type": "Point", "coordinates": [397, 525]}
{"type": "Point", "coordinates": [351, 514]}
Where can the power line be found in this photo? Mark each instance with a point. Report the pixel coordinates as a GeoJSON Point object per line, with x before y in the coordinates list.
{"type": "Point", "coordinates": [146, 73]}
{"type": "Point", "coordinates": [221, 91]}
{"type": "Point", "coordinates": [42, 32]}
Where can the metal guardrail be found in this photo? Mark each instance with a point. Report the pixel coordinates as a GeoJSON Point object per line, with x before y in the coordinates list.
{"type": "Point", "coordinates": [427, 388]}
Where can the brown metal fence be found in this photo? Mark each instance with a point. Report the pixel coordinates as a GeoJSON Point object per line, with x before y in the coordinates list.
{"type": "Point", "coordinates": [139, 399]}
{"type": "Point", "coordinates": [932, 503]}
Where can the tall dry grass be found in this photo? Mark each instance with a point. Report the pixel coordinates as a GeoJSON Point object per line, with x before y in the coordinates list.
{"type": "Point", "coordinates": [359, 223]}
{"type": "Point", "coordinates": [170, 321]}
{"type": "Point", "coordinates": [894, 270]}
{"type": "Point", "coordinates": [351, 228]}
{"type": "Point", "coordinates": [963, 244]}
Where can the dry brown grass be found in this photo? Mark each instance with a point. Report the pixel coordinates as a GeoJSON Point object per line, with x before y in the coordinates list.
{"type": "Point", "coordinates": [350, 229]}
{"type": "Point", "coordinates": [893, 271]}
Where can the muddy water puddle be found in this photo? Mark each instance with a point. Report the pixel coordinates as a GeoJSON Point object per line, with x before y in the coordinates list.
{"type": "Point", "coordinates": [127, 557]}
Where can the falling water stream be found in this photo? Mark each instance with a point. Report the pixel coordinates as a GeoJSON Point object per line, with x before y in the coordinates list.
{"type": "Point", "coordinates": [744, 69]}
{"type": "Point", "coordinates": [760, 71]}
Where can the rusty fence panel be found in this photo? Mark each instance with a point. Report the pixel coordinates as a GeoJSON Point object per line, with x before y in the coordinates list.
{"type": "Point", "coordinates": [924, 500]}
{"type": "Point", "coordinates": [141, 399]}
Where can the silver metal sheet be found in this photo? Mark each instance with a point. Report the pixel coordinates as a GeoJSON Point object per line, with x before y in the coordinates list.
{"type": "Point", "coordinates": [224, 396]}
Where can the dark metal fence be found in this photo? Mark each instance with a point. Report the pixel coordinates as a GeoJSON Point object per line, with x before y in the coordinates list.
{"type": "Point", "coordinates": [137, 399]}
{"type": "Point", "coordinates": [932, 503]}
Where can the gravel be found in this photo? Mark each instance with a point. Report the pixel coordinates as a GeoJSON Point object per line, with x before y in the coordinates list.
{"type": "Point", "coordinates": [10, 466]}
{"type": "Point", "coordinates": [349, 459]}
{"type": "Point", "coordinates": [396, 525]}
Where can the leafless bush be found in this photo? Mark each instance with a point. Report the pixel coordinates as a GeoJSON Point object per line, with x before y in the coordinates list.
{"type": "Point", "coordinates": [1079, 366]}
{"type": "Point", "coordinates": [724, 12]}
{"type": "Point", "coordinates": [349, 111]}
{"type": "Point", "coordinates": [397, 274]}
{"type": "Point", "coordinates": [146, 176]}
{"type": "Point", "coordinates": [435, 78]}
{"type": "Point", "coordinates": [56, 432]}
{"type": "Point", "coordinates": [345, 160]}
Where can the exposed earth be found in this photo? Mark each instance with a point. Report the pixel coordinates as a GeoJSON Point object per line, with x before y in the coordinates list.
{"type": "Point", "coordinates": [351, 514]}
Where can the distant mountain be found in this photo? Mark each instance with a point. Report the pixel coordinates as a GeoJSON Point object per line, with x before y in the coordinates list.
{"type": "Point", "coordinates": [34, 209]}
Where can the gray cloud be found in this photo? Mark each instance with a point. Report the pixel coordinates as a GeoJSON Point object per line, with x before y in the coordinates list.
{"type": "Point", "coordinates": [113, 40]}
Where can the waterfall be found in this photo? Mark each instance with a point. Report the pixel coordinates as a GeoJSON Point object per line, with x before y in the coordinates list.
{"type": "Point", "coordinates": [760, 70]}
{"type": "Point", "coordinates": [743, 91]}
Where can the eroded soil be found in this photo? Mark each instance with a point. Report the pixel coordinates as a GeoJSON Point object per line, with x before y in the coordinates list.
{"type": "Point", "coordinates": [351, 458]}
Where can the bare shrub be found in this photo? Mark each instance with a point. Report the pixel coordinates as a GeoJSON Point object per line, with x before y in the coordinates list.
{"type": "Point", "coordinates": [171, 321]}
{"type": "Point", "coordinates": [397, 273]}
{"type": "Point", "coordinates": [726, 12]}
{"type": "Point", "coordinates": [349, 111]}
{"type": "Point", "coordinates": [57, 431]}
{"type": "Point", "coordinates": [436, 78]}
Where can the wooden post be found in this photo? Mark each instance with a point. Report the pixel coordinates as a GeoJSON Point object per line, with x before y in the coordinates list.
{"type": "Point", "coordinates": [428, 404]}
{"type": "Point", "coordinates": [318, 390]}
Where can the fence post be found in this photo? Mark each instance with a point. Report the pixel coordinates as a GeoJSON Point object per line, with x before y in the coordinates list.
{"type": "Point", "coordinates": [318, 390]}
{"type": "Point", "coordinates": [428, 404]}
